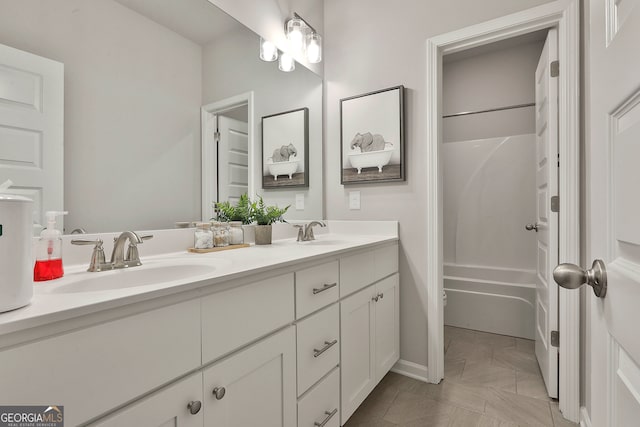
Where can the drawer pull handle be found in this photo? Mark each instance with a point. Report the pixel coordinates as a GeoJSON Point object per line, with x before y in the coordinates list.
{"type": "Point", "coordinates": [326, 420]}
{"type": "Point", "coordinates": [377, 297]}
{"type": "Point", "coordinates": [219, 392]}
{"type": "Point", "coordinates": [327, 346]}
{"type": "Point", "coordinates": [325, 287]}
{"type": "Point", "coordinates": [194, 406]}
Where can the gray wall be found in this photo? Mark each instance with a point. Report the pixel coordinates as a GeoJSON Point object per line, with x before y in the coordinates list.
{"type": "Point", "coordinates": [371, 45]}
{"type": "Point", "coordinates": [499, 77]}
{"type": "Point", "coordinates": [274, 92]}
{"type": "Point", "coordinates": [122, 72]}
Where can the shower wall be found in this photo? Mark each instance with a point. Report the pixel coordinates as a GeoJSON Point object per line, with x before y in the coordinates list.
{"type": "Point", "coordinates": [489, 189]}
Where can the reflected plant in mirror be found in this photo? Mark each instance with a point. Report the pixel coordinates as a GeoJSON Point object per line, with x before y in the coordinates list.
{"type": "Point", "coordinates": [129, 122]}
{"type": "Point", "coordinates": [242, 211]}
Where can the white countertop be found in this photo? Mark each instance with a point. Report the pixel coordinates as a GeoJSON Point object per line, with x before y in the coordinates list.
{"type": "Point", "coordinates": [52, 302]}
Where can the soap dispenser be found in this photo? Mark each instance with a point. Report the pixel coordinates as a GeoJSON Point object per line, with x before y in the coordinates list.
{"type": "Point", "coordinates": [49, 251]}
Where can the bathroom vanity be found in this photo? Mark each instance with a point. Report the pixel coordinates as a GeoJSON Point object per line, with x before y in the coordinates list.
{"type": "Point", "coordinates": [285, 335]}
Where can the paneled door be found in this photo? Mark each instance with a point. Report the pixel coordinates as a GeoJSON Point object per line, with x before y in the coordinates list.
{"type": "Point", "coordinates": [613, 212]}
{"type": "Point", "coordinates": [233, 159]}
{"type": "Point", "coordinates": [546, 226]}
{"type": "Point", "coordinates": [31, 128]}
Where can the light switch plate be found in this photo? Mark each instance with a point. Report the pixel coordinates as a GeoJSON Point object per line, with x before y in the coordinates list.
{"type": "Point", "coordinates": [300, 201]}
{"type": "Point", "coordinates": [354, 200]}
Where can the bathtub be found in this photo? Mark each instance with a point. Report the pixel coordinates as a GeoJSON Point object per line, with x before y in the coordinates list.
{"type": "Point", "coordinates": [370, 159]}
{"type": "Point", "coordinates": [282, 168]}
{"type": "Point", "coordinates": [496, 300]}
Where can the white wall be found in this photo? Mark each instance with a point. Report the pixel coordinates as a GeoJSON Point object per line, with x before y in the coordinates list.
{"type": "Point", "coordinates": [274, 92]}
{"type": "Point", "coordinates": [489, 194]}
{"type": "Point", "coordinates": [374, 44]}
{"type": "Point", "coordinates": [122, 73]}
{"type": "Point", "coordinates": [493, 78]}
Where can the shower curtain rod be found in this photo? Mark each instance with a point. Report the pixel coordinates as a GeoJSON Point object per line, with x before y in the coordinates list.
{"type": "Point", "coordinates": [510, 107]}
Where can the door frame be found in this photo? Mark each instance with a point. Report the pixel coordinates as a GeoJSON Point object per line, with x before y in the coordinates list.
{"type": "Point", "coordinates": [565, 15]}
{"type": "Point", "coordinates": [209, 113]}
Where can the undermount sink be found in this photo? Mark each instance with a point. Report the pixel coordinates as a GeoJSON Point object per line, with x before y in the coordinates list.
{"type": "Point", "coordinates": [148, 274]}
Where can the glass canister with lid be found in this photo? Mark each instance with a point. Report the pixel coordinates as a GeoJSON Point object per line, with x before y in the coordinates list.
{"type": "Point", "coordinates": [220, 234]}
{"type": "Point", "coordinates": [236, 233]}
{"type": "Point", "coordinates": [203, 236]}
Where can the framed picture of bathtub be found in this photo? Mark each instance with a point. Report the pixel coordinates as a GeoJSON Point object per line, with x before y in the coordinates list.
{"type": "Point", "coordinates": [372, 137]}
{"type": "Point", "coordinates": [285, 149]}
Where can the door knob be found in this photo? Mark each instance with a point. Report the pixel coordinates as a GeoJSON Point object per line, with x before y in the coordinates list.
{"type": "Point", "coordinates": [530, 227]}
{"type": "Point", "coordinates": [570, 276]}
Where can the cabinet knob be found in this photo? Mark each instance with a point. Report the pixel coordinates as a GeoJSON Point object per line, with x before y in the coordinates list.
{"type": "Point", "coordinates": [219, 392]}
{"type": "Point", "coordinates": [194, 406]}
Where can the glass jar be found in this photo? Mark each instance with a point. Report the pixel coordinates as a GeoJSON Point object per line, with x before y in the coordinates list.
{"type": "Point", "coordinates": [203, 236]}
{"type": "Point", "coordinates": [220, 234]}
{"type": "Point", "coordinates": [236, 233]}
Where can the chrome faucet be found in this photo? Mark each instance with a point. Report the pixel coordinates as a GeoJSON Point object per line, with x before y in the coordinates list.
{"type": "Point", "coordinates": [307, 234]}
{"type": "Point", "coordinates": [117, 256]}
{"type": "Point", "coordinates": [118, 259]}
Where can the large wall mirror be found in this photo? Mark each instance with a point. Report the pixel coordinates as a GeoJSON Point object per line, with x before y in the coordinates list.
{"type": "Point", "coordinates": [146, 84]}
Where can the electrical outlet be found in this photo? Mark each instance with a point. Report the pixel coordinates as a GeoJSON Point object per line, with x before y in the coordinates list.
{"type": "Point", "coordinates": [300, 201]}
{"type": "Point", "coordinates": [354, 200]}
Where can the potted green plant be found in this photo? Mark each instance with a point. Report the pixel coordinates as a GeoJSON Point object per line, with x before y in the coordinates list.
{"type": "Point", "coordinates": [265, 216]}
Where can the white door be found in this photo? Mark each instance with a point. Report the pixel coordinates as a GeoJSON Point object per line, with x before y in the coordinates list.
{"type": "Point", "coordinates": [357, 360]}
{"type": "Point", "coordinates": [255, 387]}
{"type": "Point", "coordinates": [613, 212]}
{"type": "Point", "coordinates": [547, 221]}
{"type": "Point", "coordinates": [387, 327]}
{"type": "Point", "coordinates": [233, 159]}
{"type": "Point", "coordinates": [31, 128]}
{"type": "Point", "coordinates": [179, 405]}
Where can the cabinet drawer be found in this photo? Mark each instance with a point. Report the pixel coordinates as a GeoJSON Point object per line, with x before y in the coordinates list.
{"type": "Point", "coordinates": [235, 317]}
{"type": "Point", "coordinates": [316, 287]}
{"type": "Point", "coordinates": [92, 370]}
{"type": "Point", "coordinates": [361, 270]}
{"type": "Point", "coordinates": [385, 261]}
{"type": "Point", "coordinates": [318, 346]}
{"type": "Point", "coordinates": [356, 272]}
{"type": "Point", "coordinates": [322, 403]}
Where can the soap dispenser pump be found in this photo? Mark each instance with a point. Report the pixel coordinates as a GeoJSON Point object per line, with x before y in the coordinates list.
{"type": "Point", "coordinates": [49, 251]}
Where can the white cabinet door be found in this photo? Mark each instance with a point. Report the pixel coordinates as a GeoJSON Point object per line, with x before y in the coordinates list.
{"type": "Point", "coordinates": [357, 336]}
{"type": "Point", "coordinates": [254, 387]}
{"type": "Point", "coordinates": [387, 327]}
{"type": "Point", "coordinates": [174, 406]}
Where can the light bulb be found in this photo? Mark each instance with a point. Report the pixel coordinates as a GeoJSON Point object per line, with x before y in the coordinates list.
{"type": "Point", "coordinates": [268, 51]}
{"type": "Point", "coordinates": [296, 35]}
{"type": "Point", "coordinates": [286, 63]}
{"type": "Point", "coordinates": [314, 48]}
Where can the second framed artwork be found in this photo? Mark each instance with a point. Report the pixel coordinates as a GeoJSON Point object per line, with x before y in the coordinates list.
{"type": "Point", "coordinates": [285, 149]}
{"type": "Point", "coordinates": [372, 137]}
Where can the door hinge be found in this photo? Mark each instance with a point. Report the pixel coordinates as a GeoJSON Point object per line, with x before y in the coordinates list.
{"type": "Point", "coordinates": [555, 69]}
{"type": "Point", "coordinates": [555, 204]}
{"type": "Point", "coordinates": [216, 136]}
{"type": "Point", "coordinates": [555, 339]}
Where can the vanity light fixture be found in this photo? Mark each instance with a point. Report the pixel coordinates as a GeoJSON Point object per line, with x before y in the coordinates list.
{"type": "Point", "coordinates": [286, 63]}
{"type": "Point", "coordinates": [303, 39]}
{"type": "Point", "coordinates": [268, 50]}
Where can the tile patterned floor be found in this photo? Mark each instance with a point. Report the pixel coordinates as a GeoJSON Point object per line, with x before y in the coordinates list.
{"type": "Point", "coordinates": [490, 381]}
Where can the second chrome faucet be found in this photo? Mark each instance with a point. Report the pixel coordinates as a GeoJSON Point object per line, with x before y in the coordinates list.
{"type": "Point", "coordinates": [305, 231]}
{"type": "Point", "coordinates": [118, 258]}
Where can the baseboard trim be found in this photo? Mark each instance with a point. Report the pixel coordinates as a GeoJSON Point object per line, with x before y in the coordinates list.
{"type": "Point", "coordinates": [585, 420]}
{"type": "Point", "coordinates": [411, 370]}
